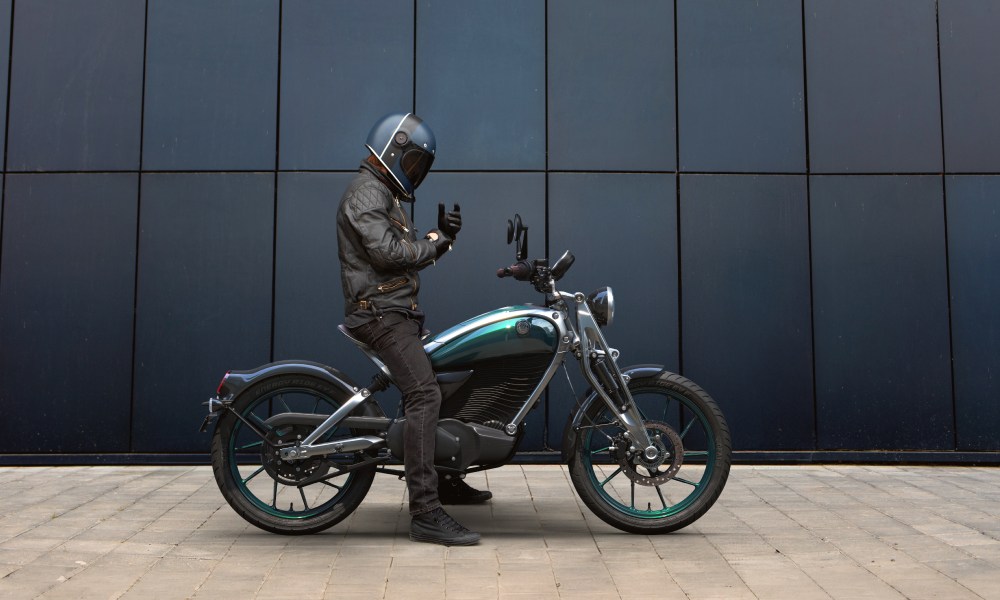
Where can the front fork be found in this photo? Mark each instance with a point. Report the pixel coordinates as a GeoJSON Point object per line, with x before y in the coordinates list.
{"type": "Point", "coordinates": [594, 354]}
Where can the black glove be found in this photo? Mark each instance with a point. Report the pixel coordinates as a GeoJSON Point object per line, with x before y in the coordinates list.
{"type": "Point", "coordinates": [442, 244]}
{"type": "Point", "coordinates": [451, 222]}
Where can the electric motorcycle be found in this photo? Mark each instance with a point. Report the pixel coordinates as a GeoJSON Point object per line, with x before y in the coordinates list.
{"type": "Point", "coordinates": [296, 444]}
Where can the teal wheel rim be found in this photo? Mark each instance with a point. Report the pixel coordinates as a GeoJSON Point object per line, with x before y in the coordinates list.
{"type": "Point", "coordinates": [679, 492]}
{"type": "Point", "coordinates": [254, 482]}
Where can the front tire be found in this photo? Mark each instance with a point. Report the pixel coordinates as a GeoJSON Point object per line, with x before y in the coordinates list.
{"type": "Point", "coordinates": [644, 499]}
{"type": "Point", "coordinates": [258, 486]}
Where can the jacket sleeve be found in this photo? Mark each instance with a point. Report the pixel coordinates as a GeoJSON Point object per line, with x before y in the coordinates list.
{"type": "Point", "coordinates": [387, 248]}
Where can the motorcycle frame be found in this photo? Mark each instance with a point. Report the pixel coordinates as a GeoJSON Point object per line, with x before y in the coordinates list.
{"type": "Point", "coordinates": [584, 339]}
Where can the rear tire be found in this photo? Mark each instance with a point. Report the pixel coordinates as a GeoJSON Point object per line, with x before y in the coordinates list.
{"type": "Point", "coordinates": [608, 487]}
{"type": "Point", "coordinates": [253, 490]}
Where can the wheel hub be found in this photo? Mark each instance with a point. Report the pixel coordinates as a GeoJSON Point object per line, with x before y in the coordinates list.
{"type": "Point", "coordinates": [669, 453]}
{"type": "Point", "coordinates": [292, 472]}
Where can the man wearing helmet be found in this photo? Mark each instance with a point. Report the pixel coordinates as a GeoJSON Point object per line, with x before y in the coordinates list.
{"type": "Point", "coordinates": [380, 256]}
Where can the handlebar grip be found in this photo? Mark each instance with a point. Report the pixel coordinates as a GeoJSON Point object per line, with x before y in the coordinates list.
{"type": "Point", "coordinates": [519, 270]}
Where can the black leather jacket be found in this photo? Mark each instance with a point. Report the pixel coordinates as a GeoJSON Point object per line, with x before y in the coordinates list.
{"type": "Point", "coordinates": [379, 250]}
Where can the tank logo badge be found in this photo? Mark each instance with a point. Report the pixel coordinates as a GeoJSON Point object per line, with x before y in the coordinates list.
{"type": "Point", "coordinates": [523, 327]}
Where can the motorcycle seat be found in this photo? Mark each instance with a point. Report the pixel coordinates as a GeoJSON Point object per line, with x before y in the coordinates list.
{"type": "Point", "coordinates": [424, 334]}
{"type": "Point", "coordinates": [347, 333]}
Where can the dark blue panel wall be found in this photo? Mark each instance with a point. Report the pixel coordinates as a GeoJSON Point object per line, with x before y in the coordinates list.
{"type": "Point", "coordinates": [463, 283]}
{"type": "Point", "coordinates": [211, 85]}
{"type": "Point", "coordinates": [973, 223]}
{"type": "Point", "coordinates": [883, 376]}
{"type": "Point", "coordinates": [76, 85]}
{"type": "Point", "coordinates": [611, 81]}
{"type": "Point", "coordinates": [480, 73]}
{"type": "Point", "coordinates": [634, 251]}
{"type": "Point", "coordinates": [740, 83]}
{"type": "Point", "coordinates": [970, 88]}
{"type": "Point", "coordinates": [873, 86]}
{"type": "Point", "coordinates": [746, 303]}
{"type": "Point", "coordinates": [836, 162]}
{"type": "Point", "coordinates": [204, 297]}
{"type": "Point", "coordinates": [343, 65]}
{"type": "Point", "coordinates": [66, 300]}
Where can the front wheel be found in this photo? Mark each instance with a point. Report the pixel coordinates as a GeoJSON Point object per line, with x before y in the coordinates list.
{"type": "Point", "coordinates": [295, 497]}
{"type": "Point", "coordinates": [650, 496]}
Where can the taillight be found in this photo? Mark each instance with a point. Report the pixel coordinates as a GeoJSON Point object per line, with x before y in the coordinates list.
{"type": "Point", "coordinates": [218, 390]}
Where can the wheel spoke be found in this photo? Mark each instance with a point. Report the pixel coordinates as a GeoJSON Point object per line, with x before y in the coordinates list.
{"type": "Point", "coordinates": [687, 428]}
{"type": "Point", "coordinates": [250, 445]}
{"type": "Point", "coordinates": [610, 477]}
{"type": "Point", "coordinates": [691, 453]}
{"type": "Point", "coordinates": [666, 406]}
{"type": "Point", "coordinates": [274, 499]}
{"type": "Point", "coordinates": [632, 497]}
{"type": "Point", "coordinates": [660, 494]}
{"type": "Point", "coordinates": [599, 450]}
{"type": "Point", "coordinates": [325, 482]}
{"type": "Point", "coordinates": [281, 398]}
{"type": "Point", "coordinates": [254, 474]}
{"type": "Point", "coordinates": [682, 480]}
{"type": "Point", "coordinates": [302, 493]}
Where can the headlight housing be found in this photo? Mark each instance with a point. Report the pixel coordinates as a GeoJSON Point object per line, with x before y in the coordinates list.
{"type": "Point", "coordinates": [602, 305]}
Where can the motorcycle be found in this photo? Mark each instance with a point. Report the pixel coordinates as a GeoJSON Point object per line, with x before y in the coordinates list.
{"type": "Point", "coordinates": [297, 444]}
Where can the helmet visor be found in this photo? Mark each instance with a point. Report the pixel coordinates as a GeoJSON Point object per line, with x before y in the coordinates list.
{"type": "Point", "coordinates": [416, 163]}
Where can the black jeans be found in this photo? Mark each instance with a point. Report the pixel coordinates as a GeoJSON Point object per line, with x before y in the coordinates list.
{"type": "Point", "coordinates": [396, 338]}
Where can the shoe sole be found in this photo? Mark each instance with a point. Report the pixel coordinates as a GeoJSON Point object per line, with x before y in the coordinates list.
{"type": "Point", "coordinates": [429, 539]}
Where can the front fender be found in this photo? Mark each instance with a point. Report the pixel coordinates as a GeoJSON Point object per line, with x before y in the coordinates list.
{"type": "Point", "coordinates": [575, 416]}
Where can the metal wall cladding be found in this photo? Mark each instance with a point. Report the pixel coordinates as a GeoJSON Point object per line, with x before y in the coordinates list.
{"type": "Point", "coordinates": [76, 85]}
{"type": "Point", "coordinates": [206, 246]}
{"type": "Point", "coordinates": [343, 65]}
{"type": "Point", "coordinates": [872, 77]}
{"type": "Point", "coordinates": [611, 86]}
{"type": "Point", "coordinates": [211, 85]}
{"type": "Point", "coordinates": [480, 82]}
{"type": "Point", "coordinates": [974, 250]}
{"type": "Point", "coordinates": [66, 302]}
{"type": "Point", "coordinates": [740, 86]}
{"type": "Point", "coordinates": [970, 89]}
{"type": "Point", "coordinates": [793, 200]}
{"type": "Point", "coordinates": [880, 309]}
{"type": "Point", "coordinates": [745, 303]}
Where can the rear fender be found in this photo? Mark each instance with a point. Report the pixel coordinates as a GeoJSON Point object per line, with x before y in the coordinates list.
{"type": "Point", "coordinates": [575, 417]}
{"type": "Point", "coordinates": [235, 382]}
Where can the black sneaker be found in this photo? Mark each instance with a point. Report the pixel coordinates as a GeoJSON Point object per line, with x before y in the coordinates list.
{"type": "Point", "coordinates": [437, 527]}
{"type": "Point", "coordinates": [456, 491]}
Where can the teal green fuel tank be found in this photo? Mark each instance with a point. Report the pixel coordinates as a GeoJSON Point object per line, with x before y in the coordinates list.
{"type": "Point", "coordinates": [498, 358]}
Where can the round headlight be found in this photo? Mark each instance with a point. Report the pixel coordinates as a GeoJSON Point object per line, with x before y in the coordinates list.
{"type": "Point", "coordinates": [602, 306]}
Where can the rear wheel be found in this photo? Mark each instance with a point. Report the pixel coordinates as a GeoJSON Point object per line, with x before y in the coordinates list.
{"type": "Point", "coordinates": [293, 497]}
{"type": "Point", "coordinates": [661, 495]}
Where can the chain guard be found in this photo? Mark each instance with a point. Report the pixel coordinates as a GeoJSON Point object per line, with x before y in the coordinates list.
{"type": "Point", "coordinates": [666, 441]}
{"type": "Point", "coordinates": [296, 472]}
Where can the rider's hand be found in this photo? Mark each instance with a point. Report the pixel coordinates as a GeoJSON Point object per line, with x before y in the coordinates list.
{"type": "Point", "coordinates": [449, 222]}
{"type": "Point", "coordinates": [442, 242]}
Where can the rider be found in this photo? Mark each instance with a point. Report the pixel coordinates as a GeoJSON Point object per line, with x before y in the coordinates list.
{"type": "Point", "coordinates": [379, 259]}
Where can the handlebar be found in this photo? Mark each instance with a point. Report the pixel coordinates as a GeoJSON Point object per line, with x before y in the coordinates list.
{"type": "Point", "coordinates": [520, 270]}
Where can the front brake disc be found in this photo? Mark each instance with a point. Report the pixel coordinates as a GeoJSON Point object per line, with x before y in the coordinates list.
{"type": "Point", "coordinates": [670, 453]}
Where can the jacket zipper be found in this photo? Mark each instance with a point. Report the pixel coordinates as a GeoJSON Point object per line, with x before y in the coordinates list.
{"type": "Point", "coordinates": [389, 286]}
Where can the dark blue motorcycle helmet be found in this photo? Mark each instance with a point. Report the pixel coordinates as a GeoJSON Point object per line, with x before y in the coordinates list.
{"type": "Point", "coordinates": [405, 146]}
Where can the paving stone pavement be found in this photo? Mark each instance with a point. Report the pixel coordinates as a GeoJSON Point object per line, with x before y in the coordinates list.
{"type": "Point", "coordinates": [797, 532]}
